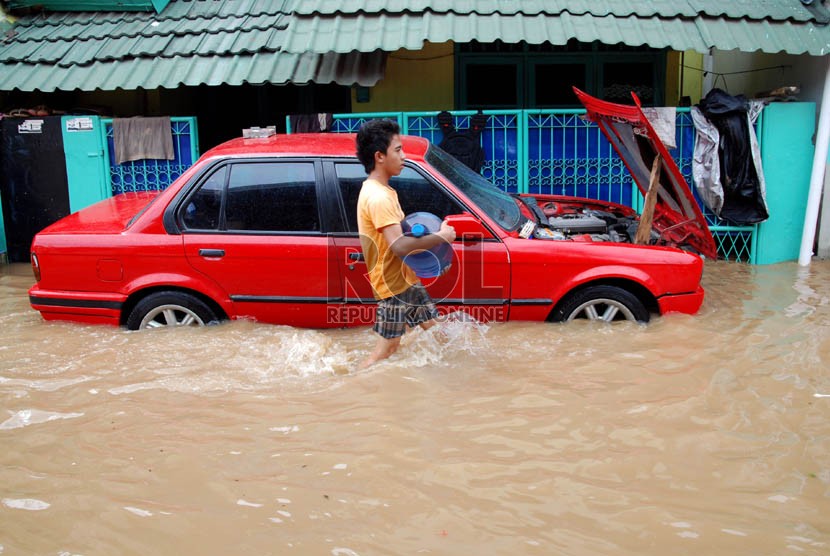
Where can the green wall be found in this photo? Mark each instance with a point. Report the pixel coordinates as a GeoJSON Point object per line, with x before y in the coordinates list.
{"type": "Point", "coordinates": [787, 155]}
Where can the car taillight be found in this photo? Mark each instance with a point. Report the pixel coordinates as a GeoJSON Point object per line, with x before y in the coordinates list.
{"type": "Point", "coordinates": [36, 267]}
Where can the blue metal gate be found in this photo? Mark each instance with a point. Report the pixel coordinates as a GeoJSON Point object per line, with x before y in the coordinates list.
{"type": "Point", "coordinates": [558, 152]}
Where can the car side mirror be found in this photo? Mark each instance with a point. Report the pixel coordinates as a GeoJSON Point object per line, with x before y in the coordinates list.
{"type": "Point", "coordinates": [468, 227]}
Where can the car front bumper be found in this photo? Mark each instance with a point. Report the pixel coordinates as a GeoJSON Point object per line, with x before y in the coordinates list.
{"type": "Point", "coordinates": [688, 303]}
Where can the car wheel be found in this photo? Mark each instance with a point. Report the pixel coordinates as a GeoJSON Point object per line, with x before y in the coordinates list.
{"type": "Point", "coordinates": [162, 309]}
{"type": "Point", "coordinates": [602, 303]}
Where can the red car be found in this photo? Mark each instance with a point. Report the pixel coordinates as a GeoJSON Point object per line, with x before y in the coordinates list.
{"type": "Point", "coordinates": [265, 228]}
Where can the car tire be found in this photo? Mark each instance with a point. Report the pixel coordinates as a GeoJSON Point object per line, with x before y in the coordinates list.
{"type": "Point", "coordinates": [602, 303]}
{"type": "Point", "coordinates": [162, 309]}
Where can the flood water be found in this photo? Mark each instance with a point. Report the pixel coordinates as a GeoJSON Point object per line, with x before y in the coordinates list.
{"type": "Point", "coordinates": [692, 435]}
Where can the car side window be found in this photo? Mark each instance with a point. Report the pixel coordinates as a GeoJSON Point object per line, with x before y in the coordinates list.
{"type": "Point", "coordinates": [202, 209]}
{"type": "Point", "coordinates": [350, 177]}
{"type": "Point", "coordinates": [415, 193]}
{"type": "Point", "coordinates": [272, 197]}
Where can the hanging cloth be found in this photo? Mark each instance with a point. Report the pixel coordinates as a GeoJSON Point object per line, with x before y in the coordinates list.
{"type": "Point", "coordinates": [142, 138]}
{"type": "Point", "coordinates": [664, 121]}
{"type": "Point", "coordinates": [705, 162]}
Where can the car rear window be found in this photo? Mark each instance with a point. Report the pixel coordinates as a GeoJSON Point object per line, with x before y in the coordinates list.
{"type": "Point", "coordinates": [272, 197]}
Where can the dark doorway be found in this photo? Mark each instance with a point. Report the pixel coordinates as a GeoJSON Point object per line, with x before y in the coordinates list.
{"type": "Point", "coordinates": [33, 181]}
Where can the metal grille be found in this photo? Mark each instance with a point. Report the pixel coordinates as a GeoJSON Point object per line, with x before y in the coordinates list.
{"type": "Point", "coordinates": [350, 123]}
{"type": "Point", "coordinates": [567, 155]}
{"type": "Point", "coordinates": [154, 175]}
{"type": "Point", "coordinates": [735, 244]}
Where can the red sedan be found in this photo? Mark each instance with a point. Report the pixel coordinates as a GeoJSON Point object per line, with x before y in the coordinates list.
{"type": "Point", "coordinates": [265, 228]}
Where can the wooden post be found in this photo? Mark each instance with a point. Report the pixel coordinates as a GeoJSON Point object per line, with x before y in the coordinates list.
{"type": "Point", "coordinates": [644, 228]}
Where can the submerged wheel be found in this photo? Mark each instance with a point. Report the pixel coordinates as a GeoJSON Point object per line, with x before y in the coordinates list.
{"type": "Point", "coordinates": [602, 303]}
{"type": "Point", "coordinates": [162, 309]}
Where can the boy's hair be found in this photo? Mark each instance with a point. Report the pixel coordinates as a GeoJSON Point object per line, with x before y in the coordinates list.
{"type": "Point", "coordinates": [374, 136]}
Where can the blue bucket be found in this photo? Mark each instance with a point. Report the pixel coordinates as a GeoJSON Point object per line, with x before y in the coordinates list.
{"type": "Point", "coordinates": [432, 262]}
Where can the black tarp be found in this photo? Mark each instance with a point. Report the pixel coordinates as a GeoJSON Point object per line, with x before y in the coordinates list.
{"type": "Point", "coordinates": [743, 201]}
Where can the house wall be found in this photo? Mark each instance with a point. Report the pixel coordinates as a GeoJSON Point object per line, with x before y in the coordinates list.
{"type": "Point", "coordinates": [691, 78]}
{"type": "Point", "coordinates": [414, 80]}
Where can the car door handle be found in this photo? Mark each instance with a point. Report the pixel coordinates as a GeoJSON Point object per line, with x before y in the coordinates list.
{"type": "Point", "coordinates": [212, 252]}
{"type": "Point", "coordinates": [355, 256]}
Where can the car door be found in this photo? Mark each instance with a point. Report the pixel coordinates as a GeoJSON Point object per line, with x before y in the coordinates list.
{"type": "Point", "coordinates": [255, 228]}
{"type": "Point", "coordinates": [478, 281]}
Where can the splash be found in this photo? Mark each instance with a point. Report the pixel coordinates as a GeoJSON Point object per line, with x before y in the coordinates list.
{"type": "Point", "coordinates": [241, 356]}
{"type": "Point", "coordinates": [455, 333]}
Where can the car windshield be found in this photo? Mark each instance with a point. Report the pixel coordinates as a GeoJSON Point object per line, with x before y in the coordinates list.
{"type": "Point", "coordinates": [498, 205]}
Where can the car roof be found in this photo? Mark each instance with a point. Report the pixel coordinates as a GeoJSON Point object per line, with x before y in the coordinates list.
{"type": "Point", "coordinates": [307, 144]}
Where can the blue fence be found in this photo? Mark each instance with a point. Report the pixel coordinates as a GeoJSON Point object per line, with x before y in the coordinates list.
{"type": "Point", "coordinates": [152, 175]}
{"type": "Point", "coordinates": [558, 152]}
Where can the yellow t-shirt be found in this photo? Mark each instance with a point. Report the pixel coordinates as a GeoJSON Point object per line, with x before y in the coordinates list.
{"type": "Point", "coordinates": [378, 207]}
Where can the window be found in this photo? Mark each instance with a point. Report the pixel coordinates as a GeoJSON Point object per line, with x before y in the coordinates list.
{"type": "Point", "coordinates": [553, 82]}
{"type": "Point", "coordinates": [520, 76]}
{"type": "Point", "coordinates": [201, 212]}
{"type": "Point", "coordinates": [493, 83]}
{"type": "Point", "coordinates": [415, 193]}
{"type": "Point", "coordinates": [620, 78]}
{"type": "Point", "coordinates": [272, 197]}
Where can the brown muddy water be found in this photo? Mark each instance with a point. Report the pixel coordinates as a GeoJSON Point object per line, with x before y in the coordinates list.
{"type": "Point", "coordinates": [692, 435]}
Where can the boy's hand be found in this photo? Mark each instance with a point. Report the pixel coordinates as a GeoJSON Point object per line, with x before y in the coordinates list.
{"type": "Point", "coordinates": [447, 231]}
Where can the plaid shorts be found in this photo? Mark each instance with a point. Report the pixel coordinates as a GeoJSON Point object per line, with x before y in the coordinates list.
{"type": "Point", "coordinates": [411, 307]}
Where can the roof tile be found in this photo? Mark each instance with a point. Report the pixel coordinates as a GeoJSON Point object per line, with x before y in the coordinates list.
{"type": "Point", "coordinates": [776, 10]}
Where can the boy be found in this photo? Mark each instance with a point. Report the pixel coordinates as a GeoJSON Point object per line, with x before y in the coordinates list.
{"type": "Point", "coordinates": [402, 299]}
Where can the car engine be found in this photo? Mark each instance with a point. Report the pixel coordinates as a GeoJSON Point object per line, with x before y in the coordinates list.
{"type": "Point", "coordinates": [581, 222]}
{"type": "Point", "coordinates": [600, 225]}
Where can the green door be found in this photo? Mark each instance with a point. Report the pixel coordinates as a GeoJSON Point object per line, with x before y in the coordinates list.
{"type": "Point", "coordinates": [86, 167]}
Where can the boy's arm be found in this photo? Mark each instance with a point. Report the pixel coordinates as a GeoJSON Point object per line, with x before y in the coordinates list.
{"type": "Point", "coordinates": [402, 245]}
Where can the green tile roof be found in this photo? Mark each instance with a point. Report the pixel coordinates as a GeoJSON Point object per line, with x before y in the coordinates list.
{"type": "Point", "coordinates": [85, 5]}
{"type": "Point", "coordinates": [343, 41]}
{"type": "Point", "coordinates": [749, 25]}
{"type": "Point", "coordinates": [190, 43]}
{"type": "Point", "coordinates": [740, 9]}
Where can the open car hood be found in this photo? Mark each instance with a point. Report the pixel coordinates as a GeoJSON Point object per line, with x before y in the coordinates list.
{"type": "Point", "coordinates": [677, 217]}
